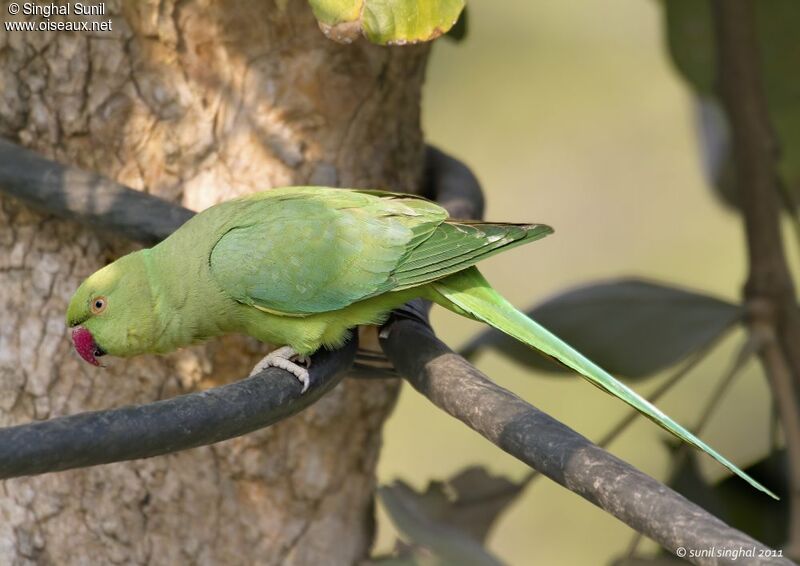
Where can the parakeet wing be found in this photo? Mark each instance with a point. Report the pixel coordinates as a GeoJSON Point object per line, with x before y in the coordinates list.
{"type": "Point", "coordinates": [456, 245]}
{"type": "Point", "coordinates": [316, 250]}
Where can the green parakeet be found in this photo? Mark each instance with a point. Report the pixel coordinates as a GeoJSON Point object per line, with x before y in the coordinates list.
{"type": "Point", "coordinates": [301, 267]}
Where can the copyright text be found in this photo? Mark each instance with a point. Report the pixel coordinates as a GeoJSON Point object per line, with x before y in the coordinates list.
{"type": "Point", "coordinates": [732, 553]}
{"type": "Point", "coordinates": [38, 16]}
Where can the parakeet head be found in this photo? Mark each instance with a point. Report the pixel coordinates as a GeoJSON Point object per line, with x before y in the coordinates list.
{"type": "Point", "coordinates": [112, 311]}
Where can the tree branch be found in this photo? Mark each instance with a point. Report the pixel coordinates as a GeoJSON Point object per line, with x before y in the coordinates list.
{"type": "Point", "coordinates": [91, 199]}
{"type": "Point", "coordinates": [450, 183]}
{"type": "Point", "coordinates": [769, 291]}
{"type": "Point", "coordinates": [162, 427]}
{"type": "Point", "coordinates": [433, 369]}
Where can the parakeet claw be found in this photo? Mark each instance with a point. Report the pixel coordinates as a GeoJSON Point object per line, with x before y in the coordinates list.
{"type": "Point", "coordinates": [285, 359]}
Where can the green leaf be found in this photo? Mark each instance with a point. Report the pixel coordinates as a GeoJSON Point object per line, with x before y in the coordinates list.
{"type": "Point", "coordinates": [386, 22]}
{"type": "Point", "coordinates": [333, 12]}
{"type": "Point", "coordinates": [690, 40]}
{"type": "Point", "coordinates": [452, 518]}
{"type": "Point", "coordinates": [629, 327]}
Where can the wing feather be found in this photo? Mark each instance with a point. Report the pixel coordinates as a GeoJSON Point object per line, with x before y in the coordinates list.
{"type": "Point", "coordinates": [457, 245]}
{"type": "Point", "coordinates": [304, 251]}
{"type": "Point", "coordinates": [308, 250]}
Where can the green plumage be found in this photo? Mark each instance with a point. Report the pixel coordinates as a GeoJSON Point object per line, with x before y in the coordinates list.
{"type": "Point", "coordinates": [302, 266]}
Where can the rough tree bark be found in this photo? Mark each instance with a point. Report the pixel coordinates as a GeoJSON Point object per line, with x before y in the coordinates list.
{"type": "Point", "coordinates": [196, 102]}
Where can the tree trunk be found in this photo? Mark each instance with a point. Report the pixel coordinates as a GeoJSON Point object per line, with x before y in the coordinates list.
{"type": "Point", "coordinates": [196, 102]}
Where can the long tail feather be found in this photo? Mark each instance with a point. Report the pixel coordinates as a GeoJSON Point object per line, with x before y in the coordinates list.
{"type": "Point", "coordinates": [469, 292]}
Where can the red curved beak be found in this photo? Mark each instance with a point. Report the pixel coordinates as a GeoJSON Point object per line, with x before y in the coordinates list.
{"type": "Point", "coordinates": [85, 345]}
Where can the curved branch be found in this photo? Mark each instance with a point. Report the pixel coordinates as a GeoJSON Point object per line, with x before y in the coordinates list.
{"type": "Point", "coordinates": [186, 421]}
{"type": "Point", "coordinates": [86, 197]}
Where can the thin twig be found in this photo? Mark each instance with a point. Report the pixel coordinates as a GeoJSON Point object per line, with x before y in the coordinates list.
{"type": "Point", "coordinates": [752, 345]}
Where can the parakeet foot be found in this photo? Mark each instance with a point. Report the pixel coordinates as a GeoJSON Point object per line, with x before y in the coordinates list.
{"type": "Point", "coordinates": [285, 359]}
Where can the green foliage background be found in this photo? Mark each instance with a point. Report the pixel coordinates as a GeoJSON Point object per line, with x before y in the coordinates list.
{"type": "Point", "coordinates": [571, 113]}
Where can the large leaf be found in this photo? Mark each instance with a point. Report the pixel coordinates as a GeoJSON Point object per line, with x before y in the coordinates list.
{"type": "Point", "coordinates": [630, 327]}
{"type": "Point", "coordinates": [448, 543]}
{"type": "Point", "coordinates": [471, 501]}
{"type": "Point", "coordinates": [386, 22]}
{"type": "Point", "coordinates": [690, 39]}
{"type": "Point", "coordinates": [452, 518]}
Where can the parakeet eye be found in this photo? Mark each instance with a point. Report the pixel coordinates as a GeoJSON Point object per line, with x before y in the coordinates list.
{"type": "Point", "coordinates": [98, 305]}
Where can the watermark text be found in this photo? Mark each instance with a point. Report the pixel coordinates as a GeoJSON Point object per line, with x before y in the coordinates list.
{"type": "Point", "coordinates": [731, 553]}
{"type": "Point", "coordinates": [38, 16]}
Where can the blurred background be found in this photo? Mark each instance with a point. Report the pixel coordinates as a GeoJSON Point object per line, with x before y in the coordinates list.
{"type": "Point", "coordinates": [571, 113]}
